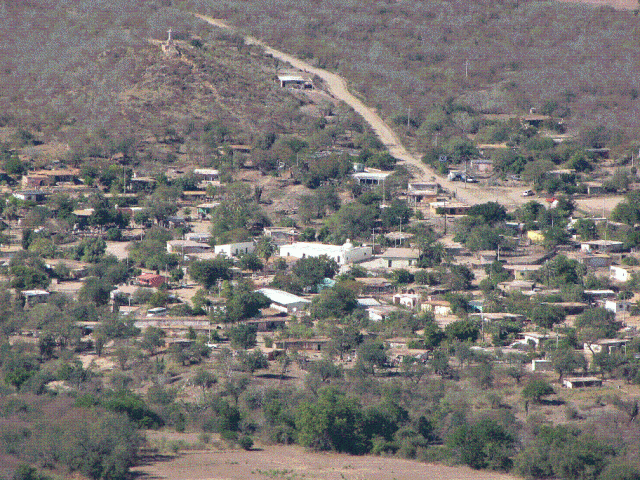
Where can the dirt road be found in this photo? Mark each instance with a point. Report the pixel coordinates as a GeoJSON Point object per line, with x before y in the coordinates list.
{"type": "Point", "coordinates": [471, 194]}
{"type": "Point", "coordinates": [294, 463]}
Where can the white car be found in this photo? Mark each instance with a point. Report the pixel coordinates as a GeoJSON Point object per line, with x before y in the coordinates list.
{"type": "Point", "coordinates": [528, 193]}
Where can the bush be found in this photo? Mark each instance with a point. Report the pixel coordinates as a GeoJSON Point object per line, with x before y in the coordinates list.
{"type": "Point", "coordinates": [245, 442]}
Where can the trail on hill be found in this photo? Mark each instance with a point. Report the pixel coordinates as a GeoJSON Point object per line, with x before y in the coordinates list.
{"type": "Point", "coordinates": [471, 193]}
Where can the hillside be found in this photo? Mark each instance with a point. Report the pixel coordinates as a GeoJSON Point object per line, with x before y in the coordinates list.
{"type": "Point", "coordinates": [414, 60]}
{"type": "Point", "coordinates": [98, 80]}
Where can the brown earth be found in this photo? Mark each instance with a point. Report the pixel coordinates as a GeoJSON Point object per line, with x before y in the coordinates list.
{"type": "Point", "coordinates": [295, 463]}
{"type": "Point", "coordinates": [617, 4]}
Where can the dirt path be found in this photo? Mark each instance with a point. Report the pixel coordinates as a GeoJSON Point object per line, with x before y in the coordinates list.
{"type": "Point", "coordinates": [471, 194]}
{"type": "Point", "coordinates": [294, 463]}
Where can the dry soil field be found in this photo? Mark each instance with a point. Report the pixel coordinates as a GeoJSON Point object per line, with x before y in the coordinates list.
{"type": "Point", "coordinates": [294, 463]}
{"type": "Point", "coordinates": [618, 4]}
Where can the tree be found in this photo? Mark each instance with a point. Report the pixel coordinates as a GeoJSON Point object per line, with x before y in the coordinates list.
{"type": "Point", "coordinates": [535, 389]}
{"type": "Point", "coordinates": [599, 321]}
{"type": "Point", "coordinates": [208, 272]}
{"type": "Point", "coordinates": [566, 360]}
{"type": "Point", "coordinates": [371, 355]}
{"type": "Point", "coordinates": [462, 330]}
{"type": "Point", "coordinates": [459, 277]}
{"type": "Point", "coordinates": [152, 338]}
{"type": "Point", "coordinates": [242, 336]}
{"type": "Point", "coordinates": [396, 214]}
{"type": "Point", "coordinates": [252, 361]}
{"type": "Point", "coordinates": [333, 422]}
{"type": "Point", "coordinates": [483, 444]}
{"type": "Point", "coordinates": [491, 212]}
{"type": "Point", "coordinates": [250, 261]}
{"type": "Point", "coordinates": [95, 290]}
{"type": "Point", "coordinates": [204, 379]}
{"type": "Point", "coordinates": [335, 302]}
{"type": "Point", "coordinates": [242, 303]}
{"type": "Point", "coordinates": [546, 316]}
{"type": "Point", "coordinates": [313, 270]}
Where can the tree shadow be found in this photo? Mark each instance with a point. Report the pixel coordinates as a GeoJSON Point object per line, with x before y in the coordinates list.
{"type": "Point", "coordinates": [274, 376]}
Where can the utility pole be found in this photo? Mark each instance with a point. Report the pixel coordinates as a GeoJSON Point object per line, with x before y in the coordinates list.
{"type": "Point", "coordinates": [466, 69]}
{"type": "Point", "coordinates": [408, 116]}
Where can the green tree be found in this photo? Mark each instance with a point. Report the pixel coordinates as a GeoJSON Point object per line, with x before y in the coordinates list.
{"type": "Point", "coordinates": [535, 389]}
{"type": "Point", "coordinates": [242, 336]}
{"type": "Point", "coordinates": [152, 338]}
{"type": "Point", "coordinates": [483, 444]}
{"type": "Point", "coordinates": [333, 422]}
{"type": "Point", "coordinates": [208, 272]}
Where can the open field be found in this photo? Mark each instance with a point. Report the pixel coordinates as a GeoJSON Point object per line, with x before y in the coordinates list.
{"type": "Point", "coordinates": [617, 4]}
{"type": "Point", "coordinates": [295, 463]}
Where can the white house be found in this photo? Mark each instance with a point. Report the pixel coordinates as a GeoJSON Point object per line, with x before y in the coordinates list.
{"type": "Point", "coordinates": [284, 301]}
{"type": "Point", "coordinates": [342, 254]}
{"type": "Point", "coordinates": [400, 257]}
{"type": "Point", "coordinates": [234, 249]}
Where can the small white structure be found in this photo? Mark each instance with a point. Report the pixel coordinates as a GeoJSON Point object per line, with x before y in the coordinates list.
{"type": "Point", "coordinates": [342, 254]}
{"type": "Point", "coordinates": [409, 300]}
{"type": "Point", "coordinates": [234, 249]}
{"type": "Point", "coordinates": [378, 314]}
{"type": "Point", "coordinates": [207, 175]}
{"type": "Point", "coordinates": [371, 178]}
{"type": "Point", "coordinates": [579, 382]}
{"type": "Point", "coordinates": [608, 345]}
{"type": "Point", "coordinates": [620, 273]}
{"type": "Point", "coordinates": [440, 308]}
{"type": "Point", "coordinates": [617, 306]}
{"type": "Point", "coordinates": [541, 365]}
{"type": "Point", "coordinates": [284, 301]}
{"type": "Point", "coordinates": [185, 247]}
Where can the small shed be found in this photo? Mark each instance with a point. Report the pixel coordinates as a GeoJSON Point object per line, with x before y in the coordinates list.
{"type": "Point", "coordinates": [580, 382]}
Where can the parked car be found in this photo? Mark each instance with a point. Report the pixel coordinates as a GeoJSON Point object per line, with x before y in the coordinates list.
{"type": "Point", "coordinates": [528, 193]}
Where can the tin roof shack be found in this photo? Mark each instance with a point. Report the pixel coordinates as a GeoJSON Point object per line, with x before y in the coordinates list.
{"type": "Point", "coordinates": [281, 235]}
{"type": "Point", "coordinates": [602, 246]}
{"type": "Point", "coordinates": [581, 382]}
{"type": "Point", "coordinates": [313, 344]}
{"type": "Point", "coordinates": [481, 165]}
{"type": "Point", "coordinates": [186, 247]}
{"type": "Point", "coordinates": [150, 280]}
{"type": "Point", "coordinates": [380, 313]}
{"type": "Point", "coordinates": [267, 324]}
{"type": "Point", "coordinates": [59, 175]}
{"type": "Point", "coordinates": [449, 208]}
{"type": "Point", "coordinates": [517, 286]}
{"type": "Point", "coordinates": [592, 261]}
{"type": "Point", "coordinates": [608, 345]}
{"type": "Point", "coordinates": [418, 193]}
{"type": "Point", "coordinates": [297, 81]}
{"type": "Point", "coordinates": [33, 297]}
{"type": "Point", "coordinates": [37, 196]}
{"type": "Point", "coordinates": [284, 301]}
{"type": "Point", "coordinates": [141, 184]}
{"type": "Point", "coordinates": [76, 270]}
{"type": "Point", "coordinates": [522, 272]}
{"type": "Point", "coordinates": [373, 285]}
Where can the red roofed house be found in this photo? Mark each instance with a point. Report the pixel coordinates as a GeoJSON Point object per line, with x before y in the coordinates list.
{"type": "Point", "coordinates": [151, 280]}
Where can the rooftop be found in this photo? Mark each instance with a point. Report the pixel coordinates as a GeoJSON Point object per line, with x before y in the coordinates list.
{"type": "Point", "coordinates": [281, 297]}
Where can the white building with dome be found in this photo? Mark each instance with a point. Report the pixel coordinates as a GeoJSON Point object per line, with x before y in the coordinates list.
{"type": "Point", "coordinates": [342, 254]}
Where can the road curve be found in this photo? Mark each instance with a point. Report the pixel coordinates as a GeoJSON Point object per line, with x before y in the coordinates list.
{"type": "Point", "coordinates": [471, 194]}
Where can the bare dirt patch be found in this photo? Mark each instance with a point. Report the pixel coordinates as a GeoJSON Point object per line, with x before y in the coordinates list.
{"type": "Point", "coordinates": [295, 463]}
{"type": "Point", "coordinates": [617, 4]}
